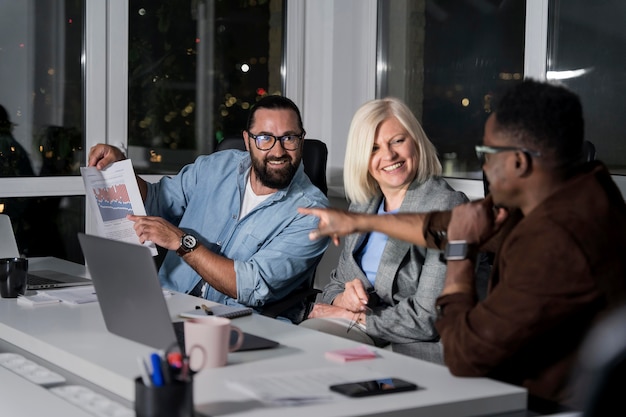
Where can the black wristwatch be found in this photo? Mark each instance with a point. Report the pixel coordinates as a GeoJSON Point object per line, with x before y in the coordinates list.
{"type": "Point", "coordinates": [187, 244]}
{"type": "Point", "coordinates": [457, 250]}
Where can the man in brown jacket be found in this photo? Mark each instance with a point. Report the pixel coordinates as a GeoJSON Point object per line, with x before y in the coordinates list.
{"type": "Point", "coordinates": [557, 225]}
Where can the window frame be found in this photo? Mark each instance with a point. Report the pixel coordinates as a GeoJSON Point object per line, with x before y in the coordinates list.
{"type": "Point", "coordinates": [106, 85]}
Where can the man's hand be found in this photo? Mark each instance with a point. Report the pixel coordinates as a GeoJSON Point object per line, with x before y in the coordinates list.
{"type": "Point", "coordinates": [333, 223]}
{"type": "Point", "coordinates": [101, 156]}
{"type": "Point", "coordinates": [353, 298]}
{"type": "Point", "coordinates": [476, 222]}
{"type": "Point", "coordinates": [157, 230]}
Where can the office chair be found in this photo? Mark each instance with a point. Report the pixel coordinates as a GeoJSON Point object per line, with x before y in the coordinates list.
{"type": "Point", "coordinates": [589, 151]}
{"type": "Point", "coordinates": [231, 143]}
{"type": "Point", "coordinates": [314, 158]}
{"type": "Point", "coordinates": [601, 373]}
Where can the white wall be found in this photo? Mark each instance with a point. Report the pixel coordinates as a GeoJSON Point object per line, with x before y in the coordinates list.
{"type": "Point", "coordinates": [337, 58]}
{"type": "Point", "coordinates": [330, 72]}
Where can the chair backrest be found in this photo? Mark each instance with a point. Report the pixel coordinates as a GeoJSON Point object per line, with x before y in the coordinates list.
{"type": "Point", "coordinates": [589, 151]}
{"type": "Point", "coordinates": [600, 377]}
{"type": "Point", "coordinates": [314, 158]}
{"type": "Point", "coordinates": [231, 143]}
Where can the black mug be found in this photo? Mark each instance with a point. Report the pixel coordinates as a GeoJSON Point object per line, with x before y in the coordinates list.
{"type": "Point", "coordinates": [13, 274]}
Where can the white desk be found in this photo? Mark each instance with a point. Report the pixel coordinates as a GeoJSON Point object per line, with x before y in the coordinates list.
{"type": "Point", "coordinates": [75, 338]}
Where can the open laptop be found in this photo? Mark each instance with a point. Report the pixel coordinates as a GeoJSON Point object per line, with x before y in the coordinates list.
{"type": "Point", "coordinates": [131, 298]}
{"type": "Point", "coordinates": [36, 280]}
{"type": "Point", "coordinates": [8, 245]}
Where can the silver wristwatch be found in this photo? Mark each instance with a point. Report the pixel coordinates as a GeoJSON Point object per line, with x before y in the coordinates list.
{"type": "Point", "coordinates": [187, 244]}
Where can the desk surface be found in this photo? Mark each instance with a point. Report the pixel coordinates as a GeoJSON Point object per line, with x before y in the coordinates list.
{"type": "Point", "coordinates": [75, 338]}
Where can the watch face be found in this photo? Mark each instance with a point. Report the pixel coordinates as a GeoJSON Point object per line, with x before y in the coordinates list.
{"type": "Point", "coordinates": [456, 251]}
{"type": "Point", "coordinates": [188, 241]}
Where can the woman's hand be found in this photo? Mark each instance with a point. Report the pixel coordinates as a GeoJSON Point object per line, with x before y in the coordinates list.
{"type": "Point", "coordinates": [329, 311]}
{"type": "Point", "coordinates": [353, 298]}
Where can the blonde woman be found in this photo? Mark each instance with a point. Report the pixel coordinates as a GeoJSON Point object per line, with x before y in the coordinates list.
{"type": "Point", "coordinates": [383, 290]}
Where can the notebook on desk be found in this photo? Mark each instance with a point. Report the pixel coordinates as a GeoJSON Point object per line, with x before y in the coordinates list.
{"type": "Point", "coordinates": [36, 280]}
{"type": "Point", "coordinates": [131, 298]}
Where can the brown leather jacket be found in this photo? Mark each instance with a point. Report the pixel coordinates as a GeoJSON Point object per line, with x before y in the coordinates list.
{"type": "Point", "coordinates": [556, 272]}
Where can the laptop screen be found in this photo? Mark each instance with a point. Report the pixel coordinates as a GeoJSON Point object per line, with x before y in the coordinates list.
{"type": "Point", "coordinates": [128, 289]}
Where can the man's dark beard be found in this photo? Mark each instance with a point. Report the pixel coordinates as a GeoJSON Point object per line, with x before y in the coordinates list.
{"type": "Point", "coordinates": [273, 178]}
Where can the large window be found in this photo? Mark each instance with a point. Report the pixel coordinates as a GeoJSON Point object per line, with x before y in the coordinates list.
{"type": "Point", "coordinates": [195, 68]}
{"type": "Point", "coordinates": [42, 119]}
{"type": "Point", "coordinates": [587, 41]}
{"type": "Point", "coordinates": [446, 59]}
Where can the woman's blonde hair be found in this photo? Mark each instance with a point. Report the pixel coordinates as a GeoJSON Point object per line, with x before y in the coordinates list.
{"type": "Point", "coordinates": [360, 186]}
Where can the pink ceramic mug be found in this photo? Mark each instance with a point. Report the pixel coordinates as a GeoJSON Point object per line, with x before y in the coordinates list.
{"type": "Point", "coordinates": [207, 341]}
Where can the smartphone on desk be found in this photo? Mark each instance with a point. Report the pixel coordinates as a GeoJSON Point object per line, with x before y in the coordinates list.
{"type": "Point", "coordinates": [374, 387]}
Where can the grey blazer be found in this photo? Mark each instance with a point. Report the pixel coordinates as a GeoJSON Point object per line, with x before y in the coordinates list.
{"type": "Point", "coordinates": [409, 278]}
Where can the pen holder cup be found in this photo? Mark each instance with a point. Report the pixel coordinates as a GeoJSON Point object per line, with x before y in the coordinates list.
{"type": "Point", "coordinates": [170, 400]}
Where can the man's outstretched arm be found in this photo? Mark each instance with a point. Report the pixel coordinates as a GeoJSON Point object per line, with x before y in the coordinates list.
{"type": "Point", "coordinates": [411, 227]}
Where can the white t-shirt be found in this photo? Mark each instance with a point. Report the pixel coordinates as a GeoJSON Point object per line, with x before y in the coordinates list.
{"type": "Point", "coordinates": [250, 199]}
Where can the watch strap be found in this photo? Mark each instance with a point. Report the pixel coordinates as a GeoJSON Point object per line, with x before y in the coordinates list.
{"type": "Point", "coordinates": [457, 250]}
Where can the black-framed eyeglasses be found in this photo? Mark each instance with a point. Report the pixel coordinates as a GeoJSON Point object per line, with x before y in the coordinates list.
{"type": "Point", "coordinates": [483, 150]}
{"type": "Point", "coordinates": [267, 142]}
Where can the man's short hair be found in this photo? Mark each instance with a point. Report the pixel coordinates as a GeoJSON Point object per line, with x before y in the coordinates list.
{"type": "Point", "coordinates": [543, 117]}
{"type": "Point", "coordinates": [274, 102]}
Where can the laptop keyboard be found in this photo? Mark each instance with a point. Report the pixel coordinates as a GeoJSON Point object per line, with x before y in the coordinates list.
{"type": "Point", "coordinates": [37, 280]}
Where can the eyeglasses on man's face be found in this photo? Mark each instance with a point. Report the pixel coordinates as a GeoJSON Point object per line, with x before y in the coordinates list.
{"type": "Point", "coordinates": [267, 142]}
{"type": "Point", "coordinates": [483, 150]}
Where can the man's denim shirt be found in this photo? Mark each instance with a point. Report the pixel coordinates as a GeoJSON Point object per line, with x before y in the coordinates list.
{"type": "Point", "coordinates": [270, 245]}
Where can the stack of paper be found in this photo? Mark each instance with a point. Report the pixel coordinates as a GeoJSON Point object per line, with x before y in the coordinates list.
{"type": "Point", "coordinates": [71, 295]}
{"type": "Point", "coordinates": [37, 300]}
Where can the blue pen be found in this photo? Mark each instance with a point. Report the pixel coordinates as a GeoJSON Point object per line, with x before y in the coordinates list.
{"type": "Point", "coordinates": [157, 372]}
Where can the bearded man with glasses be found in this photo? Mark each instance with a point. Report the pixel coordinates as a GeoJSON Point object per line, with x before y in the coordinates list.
{"type": "Point", "coordinates": [230, 220]}
{"type": "Point", "coordinates": [557, 225]}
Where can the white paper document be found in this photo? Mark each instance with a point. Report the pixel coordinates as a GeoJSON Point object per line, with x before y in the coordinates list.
{"type": "Point", "coordinates": [113, 193]}
{"type": "Point", "coordinates": [37, 300]}
{"type": "Point", "coordinates": [73, 295]}
{"type": "Point", "coordinates": [300, 387]}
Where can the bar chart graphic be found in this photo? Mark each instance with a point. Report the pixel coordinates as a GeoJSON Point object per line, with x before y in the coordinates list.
{"type": "Point", "coordinates": [113, 202]}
